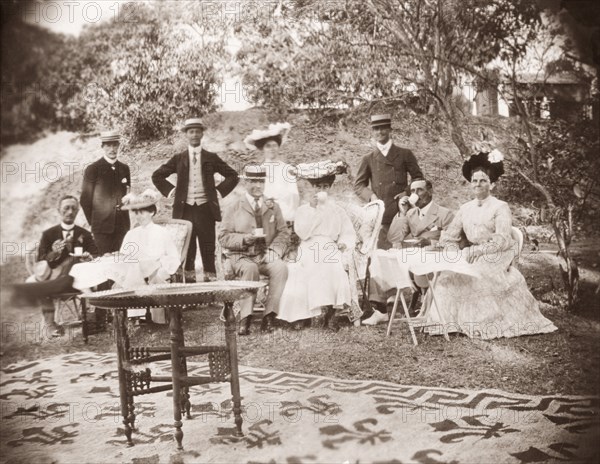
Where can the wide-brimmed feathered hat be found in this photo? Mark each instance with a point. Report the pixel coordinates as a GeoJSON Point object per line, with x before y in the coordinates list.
{"type": "Point", "coordinates": [321, 171]}
{"type": "Point", "coordinates": [277, 132]}
{"type": "Point", "coordinates": [132, 201]}
{"type": "Point", "coordinates": [491, 161]}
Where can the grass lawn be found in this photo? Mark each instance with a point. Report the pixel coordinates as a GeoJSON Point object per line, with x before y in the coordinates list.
{"type": "Point", "coordinates": [565, 362]}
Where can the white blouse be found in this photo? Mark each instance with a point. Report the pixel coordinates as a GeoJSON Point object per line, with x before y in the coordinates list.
{"type": "Point", "coordinates": [281, 186]}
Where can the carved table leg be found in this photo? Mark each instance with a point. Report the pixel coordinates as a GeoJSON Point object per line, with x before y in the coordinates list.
{"type": "Point", "coordinates": [176, 341]}
{"type": "Point", "coordinates": [120, 324]}
{"type": "Point", "coordinates": [230, 338]}
{"type": "Point", "coordinates": [186, 406]}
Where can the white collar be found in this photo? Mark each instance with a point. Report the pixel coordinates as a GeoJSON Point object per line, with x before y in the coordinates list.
{"type": "Point", "coordinates": [192, 150]}
{"type": "Point", "coordinates": [67, 226]}
{"type": "Point", "coordinates": [385, 148]}
{"type": "Point", "coordinates": [251, 200]}
{"type": "Point", "coordinates": [110, 161]}
{"type": "Point", "coordinates": [424, 209]}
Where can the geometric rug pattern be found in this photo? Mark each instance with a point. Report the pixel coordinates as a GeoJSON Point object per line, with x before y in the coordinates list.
{"type": "Point", "coordinates": [65, 409]}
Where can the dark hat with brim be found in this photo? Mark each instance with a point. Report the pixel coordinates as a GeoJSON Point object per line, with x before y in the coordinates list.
{"type": "Point", "coordinates": [193, 122]}
{"type": "Point", "coordinates": [490, 162]}
{"type": "Point", "coordinates": [381, 120]}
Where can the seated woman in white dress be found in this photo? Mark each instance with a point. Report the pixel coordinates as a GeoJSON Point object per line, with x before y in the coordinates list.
{"type": "Point", "coordinates": [318, 278]}
{"type": "Point", "coordinates": [281, 176]}
{"type": "Point", "coordinates": [150, 246]}
{"type": "Point", "coordinates": [148, 254]}
{"type": "Point", "coordinates": [498, 303]}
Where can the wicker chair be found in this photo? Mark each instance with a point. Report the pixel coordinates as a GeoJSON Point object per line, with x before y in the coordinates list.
{"type": "Point", "coordinates": [367, 224]}
{"type": "Point", "coordinates": [181, 231]}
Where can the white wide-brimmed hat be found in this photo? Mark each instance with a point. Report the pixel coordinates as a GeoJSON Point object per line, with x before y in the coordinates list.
{"type": "Point", "coordinates": [277, 131]}
{"type": "Point", "coordinates": [147, 198]}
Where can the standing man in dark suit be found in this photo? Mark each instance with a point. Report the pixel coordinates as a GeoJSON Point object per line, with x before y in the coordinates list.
{"type": "Point", "coordinates": [196, 197]}
{"type": "Point", "coordinates": [386, 170]}
{"type": "Point", "coordinates": [105, 183]}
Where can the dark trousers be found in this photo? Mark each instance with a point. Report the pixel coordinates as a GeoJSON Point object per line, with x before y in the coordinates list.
{"type": "Point", "coordinates": [107, 243]}
{"type": "Point", "coordinates": [382, 241]}
{"type": "Point", "coordinates": [203, 230]}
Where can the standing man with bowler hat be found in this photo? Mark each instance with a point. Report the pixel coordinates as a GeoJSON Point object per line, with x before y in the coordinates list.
{"type": "Point", "coordinates": [382, 174]}
{"type": "Point", "coordinates": [105, 183]}
{"type": "Point", "coordinates": [195, 194]}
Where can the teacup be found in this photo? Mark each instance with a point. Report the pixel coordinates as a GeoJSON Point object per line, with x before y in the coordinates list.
{"type": "Point", "coordinates": [78, 251]}
{"type": "Point", "coordinates": [259, 232]}
{"type": "Point", "coordinates": [413, 199]}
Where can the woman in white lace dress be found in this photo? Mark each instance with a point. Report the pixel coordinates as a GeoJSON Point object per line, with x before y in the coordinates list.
{"type": "Point", "coordinates": [318, 278]}
{"type": "Point", "coordinates": [498, 303]}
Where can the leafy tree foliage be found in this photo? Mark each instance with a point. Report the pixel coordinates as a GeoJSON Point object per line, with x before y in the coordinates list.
{"type": "Point", "coordinates": [142, 72]}
{"type": "Point", "coordinates": [351, 52]}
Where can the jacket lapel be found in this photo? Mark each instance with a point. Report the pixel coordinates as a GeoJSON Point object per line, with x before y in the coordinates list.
{"type": "Point", "coordinates": [393, 154]}
{"type": "Point", "coordinates": [431, 216]}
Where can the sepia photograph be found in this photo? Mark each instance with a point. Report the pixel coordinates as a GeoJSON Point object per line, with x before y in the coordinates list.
{"type": "Point", "coordinates": [300, 232]}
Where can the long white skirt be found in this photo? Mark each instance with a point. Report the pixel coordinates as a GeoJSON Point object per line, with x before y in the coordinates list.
{"type": "Point", "coordinates": [316, 279]}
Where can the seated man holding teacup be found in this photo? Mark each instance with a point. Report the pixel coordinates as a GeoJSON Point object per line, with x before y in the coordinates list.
{"type": "Point", "coordinates": [254, 236]}
{"type": "Point", "coordinates": [418, 222]}
{"type": "Point", "coordinates": [418, 218]}
{"type": "Point", "coordinates": [60, 247]}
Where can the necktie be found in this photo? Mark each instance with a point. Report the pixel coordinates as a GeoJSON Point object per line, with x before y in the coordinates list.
{"type": "Point", "coordinates": [69, 239]}
{"type": "Point", "coordinates": [257, 214]}
{"type": "Point", "coordinates": [195, 157]}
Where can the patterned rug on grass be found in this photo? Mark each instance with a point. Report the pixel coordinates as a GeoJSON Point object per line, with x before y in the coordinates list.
{"type": "Point", "coordinates": [65, 409]}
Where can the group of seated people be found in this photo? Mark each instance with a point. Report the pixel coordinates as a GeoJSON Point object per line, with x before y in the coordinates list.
{"type": "Point", "coordinates": [260, 227]}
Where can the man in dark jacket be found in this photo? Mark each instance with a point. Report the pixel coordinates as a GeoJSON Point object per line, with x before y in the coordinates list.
{"type": "Point", "coordinates": [195, 195]}
{"type": "Point", "coordinates": [383, 173]}
{"type": "Point", "coordinates": [105, 183]}
{"type": "Point", "coordinates": [60, 247]}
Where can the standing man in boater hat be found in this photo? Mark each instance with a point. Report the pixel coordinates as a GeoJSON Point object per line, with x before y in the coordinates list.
{"type": "Point", "coordinates": [105, 183]}
{"type": "Point", "coordinates": [386, 170]}
{"type": "Point", "coordinates": [196, 195]}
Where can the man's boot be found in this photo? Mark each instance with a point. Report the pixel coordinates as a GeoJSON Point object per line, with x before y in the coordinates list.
{"type": "Point", "coordinates": [267, 323]}
{"type": "Point", "coordinates": [245, 326]}
{"type": "Point", "coordinates": [329, 320]}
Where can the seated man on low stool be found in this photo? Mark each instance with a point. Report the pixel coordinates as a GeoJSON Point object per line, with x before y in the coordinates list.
{"type": "Point", "coordinates": [418, 218]}
{"type": "Point", "coordinates": [254, 237]}
{"type": "Point", "coordinates": [60, 247]}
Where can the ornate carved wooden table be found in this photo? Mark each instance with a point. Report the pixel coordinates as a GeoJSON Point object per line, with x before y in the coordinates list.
{"type": "Point", "coordinates": [222, 359]}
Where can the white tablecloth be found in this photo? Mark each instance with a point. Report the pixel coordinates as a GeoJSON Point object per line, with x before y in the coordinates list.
{"type": "Point", "coordinates": [124, 271]}
{"type": "Point", "coordinates": [391, 267]}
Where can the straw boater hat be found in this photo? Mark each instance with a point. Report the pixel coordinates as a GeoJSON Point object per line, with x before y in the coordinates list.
{"type": "Point", "coordinates": [277, 132]}
{"type": "Point", "coordinates": [111, 136]}
{"type": "Point", "coordinates": [148, 197]}
{"type": "Point", "coordinates": [490, 161]}
{"type": "Point", "coordinates": [381, 120]}
{"type": "Point", "coordinates": [193, 122]}
{"type": "Point", "coordinates": [255, 172]}
{"type": "Point", "coordinates": [321, 171]}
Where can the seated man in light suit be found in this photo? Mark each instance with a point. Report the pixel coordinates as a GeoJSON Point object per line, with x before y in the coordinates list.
{"type": "Point", "coordinates": [254, 237]}
{"type": "Point", "coordinates": [424, 222]}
